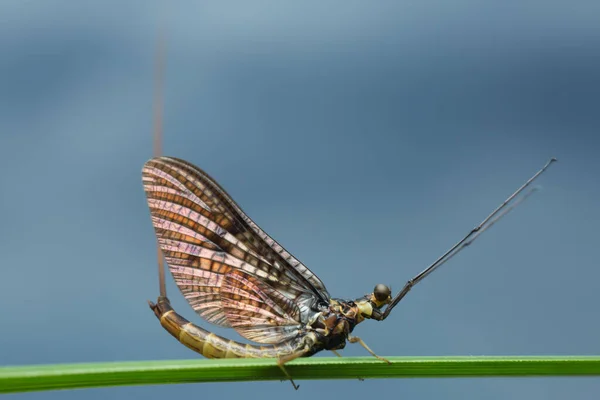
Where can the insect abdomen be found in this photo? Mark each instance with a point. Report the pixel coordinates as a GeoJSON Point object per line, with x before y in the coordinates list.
{"type": "Point", "coordinates": [208, 344]}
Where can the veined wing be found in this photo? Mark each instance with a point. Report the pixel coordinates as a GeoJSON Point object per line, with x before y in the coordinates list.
{"type": "Point", "coordinates": [205, 235]}
{"type": "Point", "coordinates": [257, 311]}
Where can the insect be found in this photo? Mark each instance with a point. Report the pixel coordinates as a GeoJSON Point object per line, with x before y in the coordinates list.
{"type": "Point", "coordinates": [235, 275]}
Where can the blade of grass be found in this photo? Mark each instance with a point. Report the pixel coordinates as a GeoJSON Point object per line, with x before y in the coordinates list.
{"type": "Point", "coordinates": [72, 376]}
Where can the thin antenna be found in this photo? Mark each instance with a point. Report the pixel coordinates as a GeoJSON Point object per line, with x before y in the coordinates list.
{"type": "Point", "coordinates": [490, 220]}
{"type": "Point", "coordinates": [159, 72]}
{"type": "Point", "coordinates": [489, 224]}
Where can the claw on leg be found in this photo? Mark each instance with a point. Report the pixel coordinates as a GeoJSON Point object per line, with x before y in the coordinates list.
{"type": "Point", "coordinates": [339, 355]}
{"type": "Point", "coordinates": [356, 339]}
{"type": "Point", "coordinates": [287, 358]}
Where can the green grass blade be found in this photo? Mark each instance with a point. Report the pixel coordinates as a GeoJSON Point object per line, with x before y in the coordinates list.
{"type": "Point", "coordinates": [72, 376]}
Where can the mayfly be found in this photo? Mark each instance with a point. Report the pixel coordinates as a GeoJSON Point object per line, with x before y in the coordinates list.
{"type": "Point", "coordinates": [235, 275]}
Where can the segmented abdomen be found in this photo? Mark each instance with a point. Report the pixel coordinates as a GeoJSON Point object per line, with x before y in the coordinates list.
{"type": "Point", "coordinates": [210, 345]}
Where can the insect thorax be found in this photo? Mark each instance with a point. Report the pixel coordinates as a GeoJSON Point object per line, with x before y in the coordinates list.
{"type": "Point", "coordinates": [333, 325]}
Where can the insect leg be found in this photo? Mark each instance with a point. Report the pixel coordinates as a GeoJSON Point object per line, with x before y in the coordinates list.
{"type": "Point", "coordinates": [339, 355]}
{"type": "Point", "coordinates": [356, 339]}
{"type": "Point", "coordinates": [289, 357]}
{"type": "Point", "coordinates": [490, 220]}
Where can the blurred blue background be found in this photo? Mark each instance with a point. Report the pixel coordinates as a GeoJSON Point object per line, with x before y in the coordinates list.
{"type": "Point", "coordinates": [366, 137]}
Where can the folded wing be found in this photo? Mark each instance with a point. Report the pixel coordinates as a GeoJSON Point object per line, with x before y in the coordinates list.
{"type": "Point", "coordinates": [205, 237]}
{"type": "Point", "coordinates": [257, 311]}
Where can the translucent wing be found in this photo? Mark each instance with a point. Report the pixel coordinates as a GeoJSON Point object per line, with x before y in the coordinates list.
{"type": "Point", "coordinates": [257, 311]}
{"type": "Point", "coordinates": [205, 235]}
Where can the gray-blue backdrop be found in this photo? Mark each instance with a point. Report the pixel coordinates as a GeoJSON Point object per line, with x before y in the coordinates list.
{"type": "Point", "coordinates": [365, 136]}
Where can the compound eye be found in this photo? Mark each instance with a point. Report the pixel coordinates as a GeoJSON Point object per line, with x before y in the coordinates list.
{"type": "Point", "coordinates": [381, 292]}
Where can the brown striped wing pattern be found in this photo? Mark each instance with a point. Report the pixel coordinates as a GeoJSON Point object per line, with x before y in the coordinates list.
{"type": "Point", "coordinates": [230, 271]}
{"type": "Point", "coordinates": [257, 311]}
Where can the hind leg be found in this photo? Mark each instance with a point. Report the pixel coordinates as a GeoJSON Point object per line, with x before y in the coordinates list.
{"type": "Point", "coordinates": [289, 357]}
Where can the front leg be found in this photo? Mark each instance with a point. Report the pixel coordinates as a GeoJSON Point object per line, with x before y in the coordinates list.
{"type": "Point", "coordinates": [356, 339]}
